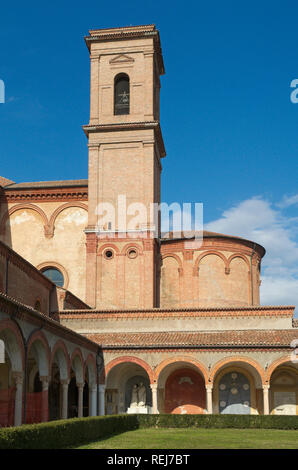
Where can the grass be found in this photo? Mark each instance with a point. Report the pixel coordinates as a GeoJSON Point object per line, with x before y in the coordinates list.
{"type": "Point", "coordinates": [199, 439]}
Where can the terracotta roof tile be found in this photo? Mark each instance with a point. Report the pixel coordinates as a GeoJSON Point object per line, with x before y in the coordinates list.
{"type": "Point", "coordinates": [5, 181]}
{"type": "Point", "coordinates": [47, 184]}
{"type": "Point", "coordinates": [203, 339]}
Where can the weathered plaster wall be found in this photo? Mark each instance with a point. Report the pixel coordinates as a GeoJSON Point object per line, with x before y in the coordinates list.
{"type": "Point", "coordinates": [27, 232]}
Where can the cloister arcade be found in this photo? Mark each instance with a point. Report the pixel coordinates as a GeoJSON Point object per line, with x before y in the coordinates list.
{"type": "Point", "coordinates": [183, 385]}
{"type": "Point", "coordinates": [40, 383]}
{"type": "Point", "coordinates": [44, 380]}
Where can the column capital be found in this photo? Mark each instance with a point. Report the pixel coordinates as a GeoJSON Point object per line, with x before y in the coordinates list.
{"type": "Point", "coordinates": [80, 384]}
{"type": "Point", "coordinates": [18, 377]}
{"type": "Point", "coordinates": [265, 386]}
{"type": "Point", "coordinates": [153, 386]}
{"type": "Point", "coordinates": [64, 382]}
{"type": "Point", "coordinates": [45, 380]}
{"type": "Point", "coordinates": [101, 388]}
{"type": "Point", "coordinates": [209, 387]}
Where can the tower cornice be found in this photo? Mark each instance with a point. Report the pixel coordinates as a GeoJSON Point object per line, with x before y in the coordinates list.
{"type": "Point", "coordinates": [93, 128]}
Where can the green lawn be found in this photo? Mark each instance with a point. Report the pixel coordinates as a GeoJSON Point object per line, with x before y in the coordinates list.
{"type": "Point", "coordinates": [199, 439]}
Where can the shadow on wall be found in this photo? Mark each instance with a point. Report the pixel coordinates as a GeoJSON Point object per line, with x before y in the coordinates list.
{"type": "Point", "coordinates": [5, 236]}
{"type": "Point", "coordinates": [5, 232]}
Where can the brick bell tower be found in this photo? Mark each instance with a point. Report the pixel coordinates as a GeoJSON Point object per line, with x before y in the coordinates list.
{"type": "Point", "coordinates": [125, 150]}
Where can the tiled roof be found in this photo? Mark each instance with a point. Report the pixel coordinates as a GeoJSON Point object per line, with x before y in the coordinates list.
{"type": "Point", "coordinates": [219, 311]}
{"type": "Point", "coordinates": [192, 233]}
{"type": "Point", "coordinates": [242, 338]}
{"type": "Point", "coordinates": [5, 181]}
{"type": "Point", "coordinates": [47, 184]}
{"type": "Point", "coordinates": [130, 28]}
{"type": "Point", "coordinates": [168, 237]}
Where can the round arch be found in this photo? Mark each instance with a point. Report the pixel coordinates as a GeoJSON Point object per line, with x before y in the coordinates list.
{"type": "Point", "coordinates": [90, 369]}
{"type": "Point", "coordinates": [207, 253]}
{"type": "Point", "coordinates": [12, 336]}
{"type": "Point", "coordinates": [77, 365]}
{"type": "Point", "coordinates": [28, 206]}
{"type": "Point", "coordinates": [182, 360]}
{"type": "Point", "coordinates": [121, 94]}
{"type": "Point", "coordinates": [132, 245]}
{"type": "Point", "coordinates": [172, 255]}
{"type": "Point", "coordinates": [54, 264]}
{"type": "Point", "coordinates": [255, 368]}
{"type": "Point", "coordinates": [61, 208]}
{"type": "Point", "coordinates": [62, 357]}
{"type": "Point", "coordinates": [275, 364]}
{"type": "Point", "coordinates": [126, 359]}
{"type": "Point", "coordinates": [40, 349]}
{"type": "Point", "coordinates": [102, 248]}
{"type": "Point", "coordinates": [245, 377]}
{"type": "Point", "coordinates": [238, 255]}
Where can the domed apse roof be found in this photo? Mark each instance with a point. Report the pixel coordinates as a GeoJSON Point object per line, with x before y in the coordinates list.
{"type": "Point", "coordinates": [176, 236]}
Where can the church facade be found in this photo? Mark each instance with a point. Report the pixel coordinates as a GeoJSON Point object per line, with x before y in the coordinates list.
{"type": "Point", "coordinates": [110, 316]}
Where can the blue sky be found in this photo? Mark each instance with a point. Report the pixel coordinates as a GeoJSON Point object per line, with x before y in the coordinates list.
{"type": "Point", "coordinates": [229, 126]}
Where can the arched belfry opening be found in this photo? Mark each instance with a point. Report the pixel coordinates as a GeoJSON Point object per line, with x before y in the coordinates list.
{"type": "Point", "coordinates": [121, 94]}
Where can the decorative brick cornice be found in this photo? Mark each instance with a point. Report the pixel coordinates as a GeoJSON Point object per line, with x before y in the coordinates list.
{"type": "Point", "coordinates": [192, 349]}
{"type": "Point", "coordinates": [142, 125]}
{"type": "Point", "coordinates": [254, 311]}
{"type": "Point", "coordinates": [46, 195]}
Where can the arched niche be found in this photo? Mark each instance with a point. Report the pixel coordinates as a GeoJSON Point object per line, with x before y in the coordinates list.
{"type": "Point", "coordinates": [170, 282]}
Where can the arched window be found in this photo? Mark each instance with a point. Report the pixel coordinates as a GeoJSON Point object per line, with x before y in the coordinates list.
{"type": "Point", "coordinates": [54, 275]}
{"type": "Point", "coordinates": [121, 94]}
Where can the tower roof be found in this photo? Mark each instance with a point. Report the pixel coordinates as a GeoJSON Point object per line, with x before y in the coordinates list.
{"type": "Point", "coordinates": [128, 32]}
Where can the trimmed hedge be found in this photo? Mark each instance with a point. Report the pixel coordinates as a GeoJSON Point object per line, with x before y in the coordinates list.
{"type": "Point", "coordinates": [73, 432]}
{"type": "Point", "coordinates": [218, 421]}
{"type": "Point", "coordinates": [65, 433]}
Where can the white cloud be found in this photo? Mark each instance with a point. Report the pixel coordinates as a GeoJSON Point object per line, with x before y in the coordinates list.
{"type": "Point", "coordinates": [258, 220]}
{"type": "Point", "coordinates": [288, 201]}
